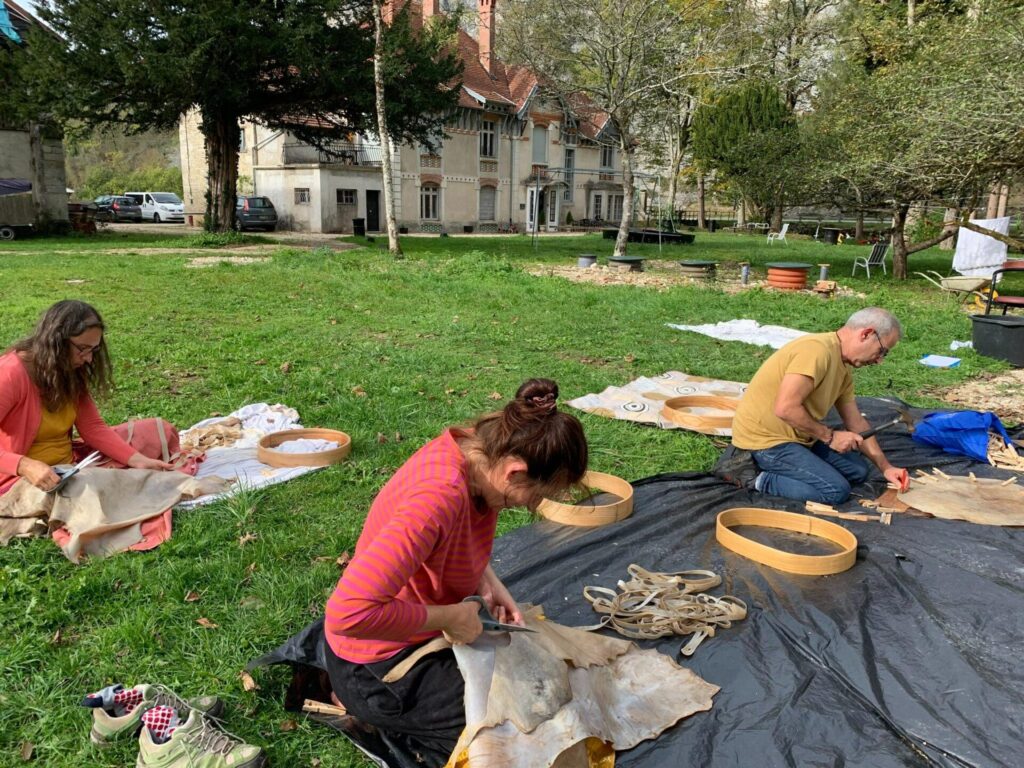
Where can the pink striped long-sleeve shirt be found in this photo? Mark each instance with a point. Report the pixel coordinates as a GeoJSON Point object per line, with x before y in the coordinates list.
{"type": "Point", "coordinates": [426, 541]}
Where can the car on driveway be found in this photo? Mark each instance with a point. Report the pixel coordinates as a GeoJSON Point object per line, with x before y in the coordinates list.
{"type": "Point", "coordinates": [255, 213]}
{"type": "Point", "coordinates": [117, 208]}
{"type": "Point", "coordinates": [159, 206]}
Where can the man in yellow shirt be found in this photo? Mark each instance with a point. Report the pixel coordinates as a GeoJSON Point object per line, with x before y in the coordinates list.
{"type": "Point", "coordinates": [778, 421]}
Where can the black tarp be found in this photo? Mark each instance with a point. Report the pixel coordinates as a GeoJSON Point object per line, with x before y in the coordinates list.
{"type": "Point", "coordinates": [912, 657]}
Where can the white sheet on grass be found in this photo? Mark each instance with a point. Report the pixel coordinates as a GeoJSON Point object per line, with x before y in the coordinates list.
{"type": "Point", "coordinates": [238, 461]}
{"type": "Point", "coordinates": [748, 331]}
{"type": "Point", "coordinates": [979, 255]}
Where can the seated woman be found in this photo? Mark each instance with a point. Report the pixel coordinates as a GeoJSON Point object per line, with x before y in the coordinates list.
{"type": "Point", "coordinates": [425, 546]}
{"type": "Point", "coordinates": [46, 385]}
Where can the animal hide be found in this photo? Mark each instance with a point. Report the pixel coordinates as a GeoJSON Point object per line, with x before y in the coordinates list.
{"type": "Point", "coordinates": [982, 501]}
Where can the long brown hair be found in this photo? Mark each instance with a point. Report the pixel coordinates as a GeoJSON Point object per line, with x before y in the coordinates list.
{"type": "Point", "coordinates": [47, 355]}
{"type": "Point", "coordinates": [531, 427]}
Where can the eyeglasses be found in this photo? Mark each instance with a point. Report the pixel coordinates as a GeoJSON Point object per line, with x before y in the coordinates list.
{"type": "Point", "coordinates": [885, 350]}
{"type": "Point", "coordinates": [85, 349]}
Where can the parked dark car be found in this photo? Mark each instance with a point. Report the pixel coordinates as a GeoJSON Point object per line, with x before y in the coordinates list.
{"type": "Point", "coordinates": [117, 208]}
{"type": "Point", "coordinates": [255, 213]}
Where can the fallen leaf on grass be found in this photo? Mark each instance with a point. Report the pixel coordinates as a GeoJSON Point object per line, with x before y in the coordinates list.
{"type": "Point", "coordinates": [398, 437]}
{"type": "Point", "coordinates": [289, 725]}
{"type": "Point", "coordinates": [286, 367]}
{"type": "Point", "coordinates": [242, 541]}
{"type": "Point", "coordinates": [192, 597]}
{"type": "Point", "coordinates": [382, 438]}
{"type": "Point", "coordinates": [56, 638]}
{"type": "Point", "coordinates": [250, 568]}
{"type": "Point", "coordinates": [314, 763]}
{"type": "Point", "coordinates": [248, 684]}
{"type": "Point", "coordinates": [27, 748]}
{"type": "Point", "coordinates": [205, 623]}
{"type": "Point", "coordinates": [630, 358]}
{"type": "Point", "coordinates": [358, 391]}
{"type": "Point", "coordinates": [495, 396]}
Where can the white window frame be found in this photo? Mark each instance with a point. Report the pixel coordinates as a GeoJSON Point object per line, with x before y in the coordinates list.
{"type": "Point", "coordinates": [607, 156]}
{"type": "Point", "coordinates": [570, 173]}
{"type": "Point", "coordinates": [615, 207]}
{"type": "Point", "coordinates": [302, 196]}
{"type": "Point", "coordinates": [489, 139]}
{"type": "Point", "coordinates": [598, 199]}
{"type": "Point", "coordinates": [430, 197]}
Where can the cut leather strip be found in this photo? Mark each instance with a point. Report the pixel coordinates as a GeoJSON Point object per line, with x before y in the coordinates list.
{"type": "Point", "coordinates": [266, 454]}
{"type": "Point", "coordinates": [686, 412]}
{"type": "Point", "coordinates": [808, 565]}
{"type": "Point", "coordinates": [597, 514]}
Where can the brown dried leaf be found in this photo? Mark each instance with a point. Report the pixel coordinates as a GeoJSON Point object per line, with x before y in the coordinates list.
{"type": "Point", "coordinates": [495, 396]}
{"type": "Point", "coordinates": [289, 725]}
{"type": "Point", "coordinates": [630, 358]}
{"type": "Point", "coordinates": [192, 597]}
{"type": "Point", "coordinates": [382, 438]}
{"type": "Point", "coordinates": [358, 391]}
{"type": "Point", "coordinates": [251, 568]}
{"type": "Point", "coordinates": [27, 748]}
{"type": "Point", "coordinates": [56, 638]}
{"type": "Point", "coordinates": [315, 763]}
{"type": "Point", "coordinates": [398, 437]}
{"type": "Point", "coordinates": [343, 559]}
{"type": "Point", "coordinates": [205, 623]}
{"type": "Point", "coordinates": [243, 540]}
{"type": "Point", "coordinates": [248, 684]}
{"type": "Point", "coordinates": [286, 367]}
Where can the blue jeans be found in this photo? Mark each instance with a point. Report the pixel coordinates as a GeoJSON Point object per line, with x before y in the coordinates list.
{"type": "Point", "coordinates": [817, 473]}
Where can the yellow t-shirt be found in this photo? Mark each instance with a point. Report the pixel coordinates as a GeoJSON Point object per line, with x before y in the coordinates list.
{"type": "Point", "coordinates": [817, 356]}
{"type": "Point", "coordinates": [53, 440]}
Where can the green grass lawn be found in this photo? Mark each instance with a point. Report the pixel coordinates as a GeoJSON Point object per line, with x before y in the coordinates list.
{"type": "Point", "coordinates": [373, 347]}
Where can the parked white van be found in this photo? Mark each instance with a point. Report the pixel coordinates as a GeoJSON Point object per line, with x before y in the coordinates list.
{"type": "Point", "coordinates": [159, 206]}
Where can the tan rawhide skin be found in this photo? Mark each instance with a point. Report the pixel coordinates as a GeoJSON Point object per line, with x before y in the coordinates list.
{"type": "Point", "coordinates": [982, 501]}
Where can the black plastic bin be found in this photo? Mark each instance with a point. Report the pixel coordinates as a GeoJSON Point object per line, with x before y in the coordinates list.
{"type": "Point", "coordinates": [1000, 336]}
{"type": "Point", "coordinates": [359, 227]}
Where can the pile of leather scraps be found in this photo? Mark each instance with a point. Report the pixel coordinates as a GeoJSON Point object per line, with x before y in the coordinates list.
{"type": "Point", "coordinates": [559, 696]}
{"type": "Point", "coordinates": [217, 435]}
{"type": "Point", "coordinates": [652, 605]}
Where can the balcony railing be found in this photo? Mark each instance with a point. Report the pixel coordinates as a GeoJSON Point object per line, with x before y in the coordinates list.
{"type": "Point", "coordinates": [335, 153]}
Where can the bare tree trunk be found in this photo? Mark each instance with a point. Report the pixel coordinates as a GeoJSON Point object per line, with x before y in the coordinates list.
{"type": "Point", "coordinates": [949, 221]}
{"type": "Point", "coordinates": [702, 221]}
{"type": "Point", "coordinates": [993, 202]}
{"type": "Point", "coordinates": [386, 144]}
{"type": "Point", "coordinates": [1004, 197]}
{"type": "Point", "coordinates": [673, 184]}
{"type": "Point", "coordinates": [627, 195]}
{"type": "Point", "coordinates": [221, 135]}
{"type": "Point", "coordinates": [858, 227]}
{"type": "Point", "coordinates": [38, 170]}
{"type": "Point", "coordinates": [741, 213]}
{"type": "Point", "coordinates": [899, 243]}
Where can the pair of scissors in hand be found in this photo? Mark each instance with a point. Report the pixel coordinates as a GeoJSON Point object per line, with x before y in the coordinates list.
{"type": "Point", "coordinates": [67, 474]}
{"type": "Point", "coordinates": [489, 622]}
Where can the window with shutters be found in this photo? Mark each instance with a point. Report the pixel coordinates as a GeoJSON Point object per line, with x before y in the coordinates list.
{"type": "Point", "coordinates": [540, 144]}
{"type": "Point", "coordinates": [487, 198]}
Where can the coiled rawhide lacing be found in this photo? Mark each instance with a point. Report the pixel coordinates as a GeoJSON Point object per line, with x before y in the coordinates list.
{"type": "Point", "coordinates": [652, 605]}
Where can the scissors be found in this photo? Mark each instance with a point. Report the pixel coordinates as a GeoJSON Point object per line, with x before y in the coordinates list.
{"type": "Point", "coordinates": [67, 474]}
{"type": "Point", "coordinates": [490, 623]}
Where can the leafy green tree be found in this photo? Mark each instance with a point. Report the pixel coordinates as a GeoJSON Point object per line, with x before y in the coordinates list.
{"type": "Point", "coordinates": [299, 65]}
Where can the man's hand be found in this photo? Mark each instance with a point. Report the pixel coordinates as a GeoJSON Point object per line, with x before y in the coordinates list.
{"type": "Point", "coordinates": [499, 600]}
{"type": "Point", "coordinates": [898, 477]}
{"type": "Point", "coordinates": [138, 461]}
{"type": "Point", "coordinates": [462, 625]}
{"type": "Point", "coordinates": [39, 473]}
{"type": "Point", "coordinates": [844, 442]}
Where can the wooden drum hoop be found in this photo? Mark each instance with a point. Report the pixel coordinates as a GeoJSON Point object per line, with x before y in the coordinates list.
{"type": "Point", "coordinates": [587, 515]}
{"type": "Point", "coordinates": [677, 410]}
{"type": "Point", "coordinates": [266, 454]}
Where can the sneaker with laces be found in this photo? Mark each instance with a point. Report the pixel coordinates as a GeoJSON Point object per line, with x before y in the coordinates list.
{"type": "Point", "coordinates": [737, 467]}
{"type": "Point", "coordinates": [117, 711]}
{"type": "Point", "coordinates": [196, 743]}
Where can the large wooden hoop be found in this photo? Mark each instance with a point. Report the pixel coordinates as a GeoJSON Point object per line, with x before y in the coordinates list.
{"type": "Point", "coordinates": [680, 410]}
{"type": "Point", "coordinates": [266, 454]}
{"type": "Point", "coordinates": [601, 514]}
{"type": "Point", "coordinates": [808, 565]}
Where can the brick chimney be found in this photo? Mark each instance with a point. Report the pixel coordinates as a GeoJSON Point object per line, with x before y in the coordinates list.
{"type": "Point", "coordinates": [431, 8]}
{"type": "Point", "coordinates": [485, 33]}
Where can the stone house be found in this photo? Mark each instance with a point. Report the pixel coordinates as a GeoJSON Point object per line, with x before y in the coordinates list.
{"type": "Point", "coordinates": [514, 159]}
{"type": "Point", "coordinates": [29, 152]}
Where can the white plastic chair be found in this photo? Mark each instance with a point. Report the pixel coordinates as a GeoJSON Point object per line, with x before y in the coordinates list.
{"type": "Point", "coordinates": [876, 259]}
{"type": "Point", "coordinates": [780, 236]}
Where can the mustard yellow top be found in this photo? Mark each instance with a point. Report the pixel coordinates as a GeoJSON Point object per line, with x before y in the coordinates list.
{"type": "Point", "coordinates": [53, 440]}
{"type": "Point", "coordinates": [755, 426]}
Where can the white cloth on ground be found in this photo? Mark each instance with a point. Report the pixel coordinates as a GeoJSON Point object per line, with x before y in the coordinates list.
{"type": "Point", "coordinates": [979, 255]}
{"type": "Point", "coordinates": [748, 331]}
{"type": "Point", "coordinates": [306, 445]}
{"type": "Point", "coordinates": [238, 461]}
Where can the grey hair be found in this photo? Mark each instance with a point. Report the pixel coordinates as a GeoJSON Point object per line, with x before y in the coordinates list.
{"type": "Point", "coordinates": [882, 320]}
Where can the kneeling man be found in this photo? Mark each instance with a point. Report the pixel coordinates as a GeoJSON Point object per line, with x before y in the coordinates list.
{"type": "Point", "coordinates": [779, 417]}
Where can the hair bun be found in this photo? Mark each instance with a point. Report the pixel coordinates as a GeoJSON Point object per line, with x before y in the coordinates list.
{"type": "Point", "coordinates": [540, 394]}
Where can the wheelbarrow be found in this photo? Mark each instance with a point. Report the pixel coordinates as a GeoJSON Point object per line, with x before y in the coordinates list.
{"type": "Point", "coordinates": [961, 286]}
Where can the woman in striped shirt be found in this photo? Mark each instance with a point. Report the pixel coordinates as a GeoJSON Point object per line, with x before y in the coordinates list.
{"type": "Point", "coordinates": [425, 546]}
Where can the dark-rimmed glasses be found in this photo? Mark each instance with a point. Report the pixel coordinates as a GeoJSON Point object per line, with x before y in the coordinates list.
{"type": "Point", "coordinates": [85, 349]}
{"type": "Point", "coordinates": [885, 350]}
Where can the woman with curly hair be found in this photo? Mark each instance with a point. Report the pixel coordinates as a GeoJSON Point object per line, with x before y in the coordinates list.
{"type": "Point", "coordinates": [426, 546]}
{"type": "Point", "coordinates": [47, 383]}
